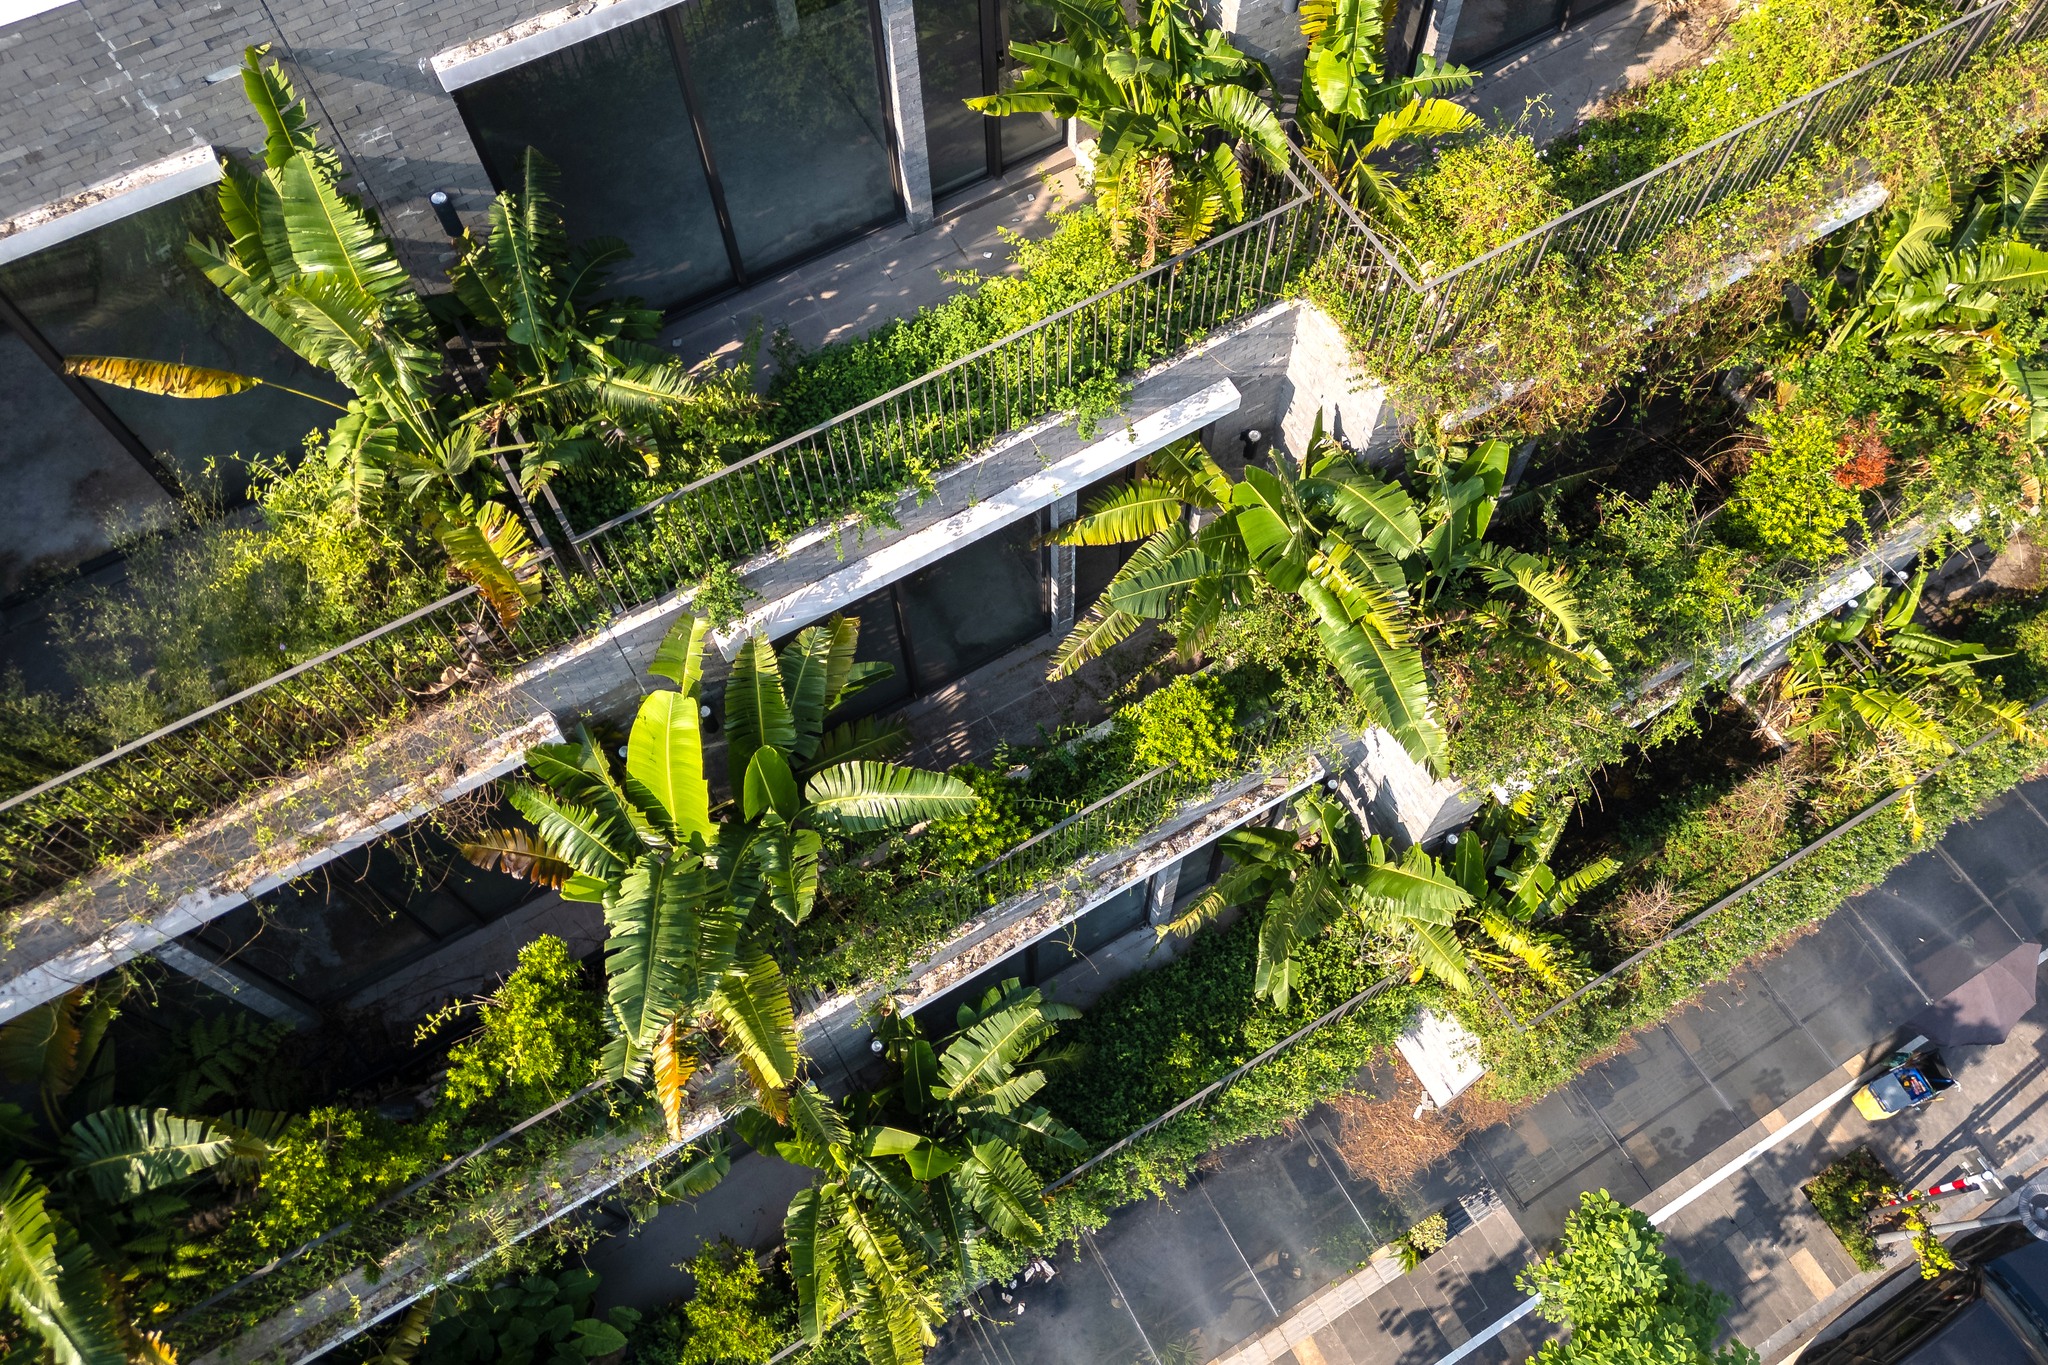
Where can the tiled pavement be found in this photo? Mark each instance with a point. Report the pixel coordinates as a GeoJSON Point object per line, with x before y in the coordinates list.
{"type": "Point", "coordinates": [1255, 1260]}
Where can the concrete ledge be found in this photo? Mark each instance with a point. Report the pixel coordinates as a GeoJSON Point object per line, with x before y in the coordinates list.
{"type": "Point", "coordinates": [904, 556]}
{"type": "Point", "coordinates": [109, 201]}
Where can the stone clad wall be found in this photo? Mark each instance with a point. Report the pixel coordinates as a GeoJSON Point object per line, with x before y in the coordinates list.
{"type": "Point", "coordinates": [100, 87]}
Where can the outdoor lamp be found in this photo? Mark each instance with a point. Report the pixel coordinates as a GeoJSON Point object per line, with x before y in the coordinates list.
{"type": "Point", "coordinates": [444, 209]}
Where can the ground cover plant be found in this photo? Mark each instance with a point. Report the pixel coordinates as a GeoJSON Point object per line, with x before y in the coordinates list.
{"type": "Point", "coordinates": [1622, 1298]}
{"type": "Point", "coordinates": [1845, 1194]}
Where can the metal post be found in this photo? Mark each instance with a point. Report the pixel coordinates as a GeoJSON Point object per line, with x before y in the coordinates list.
{"type": "Point", "coordinates": [1061, 576]}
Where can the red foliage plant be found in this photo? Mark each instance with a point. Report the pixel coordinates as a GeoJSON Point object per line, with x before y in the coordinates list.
{"type": "Point", "coordinates": [1866, 457]}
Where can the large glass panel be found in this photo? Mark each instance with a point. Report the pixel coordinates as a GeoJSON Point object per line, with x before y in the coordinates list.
{"type": "Point", "coordinates": [880, 643]}
{"type": "Point", "coordinates": [791, 104]}
{"type": "Point", "coordinates": [610, 114]}
{"type": "Point", "coordinates": [128, 289]}
{"type": "Point", "coordinates": [1026, 135]}
{"type": "Point", "coordinates": [1091, 933]}
{"type": "Point", "coordinates": [976, 604]}
{"type": "Point", "coordinates": [949, 69]}
{"type": "Point", "coordinates": [65, 482]}
{"type": "Point", "coordinates": [1487, 27]}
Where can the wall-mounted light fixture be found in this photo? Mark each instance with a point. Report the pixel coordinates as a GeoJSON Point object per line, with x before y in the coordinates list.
{"type": "Point", "coordinates": [444, 209]}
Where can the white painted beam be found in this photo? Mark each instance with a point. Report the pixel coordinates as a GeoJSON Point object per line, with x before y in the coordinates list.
{"type": "Point", "coordinates": [1128, 444]}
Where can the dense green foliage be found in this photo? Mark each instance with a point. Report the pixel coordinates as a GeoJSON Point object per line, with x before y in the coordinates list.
{"type": "Point", "coordinates": [1845, 1194]}
{"type": "Point", "coordinates": [539, 1036]}
{"type": "Point", "coordinates": [535, 1320]}
{"type": "Point", "coordinates": [1625, 1301]}
{"type": "Point", "coordinates": [739, 1312]}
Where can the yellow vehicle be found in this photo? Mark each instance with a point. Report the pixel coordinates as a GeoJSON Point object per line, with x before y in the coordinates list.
{"type": "Point", "coordinates": [1914, 1079]}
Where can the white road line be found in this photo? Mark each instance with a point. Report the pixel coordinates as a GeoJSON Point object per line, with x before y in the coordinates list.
{"type": "Point", "coordinates": [1683, 1201]}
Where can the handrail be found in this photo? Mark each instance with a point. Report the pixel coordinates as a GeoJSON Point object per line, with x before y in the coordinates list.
{"type": "Point", "coordinates": [163, 732]}
{"type": "Point", "coordinates": [1000, 343]}
{"type": "Point", "coordinates": [745, 499]}
{"type": "Point", "coordinates": [1050, 830]}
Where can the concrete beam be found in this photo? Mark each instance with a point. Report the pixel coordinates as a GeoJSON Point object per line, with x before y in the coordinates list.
{"type": "Point", "coordinates": [904, 556]}
{"type": "Point", "coordinates": [270, 1001]}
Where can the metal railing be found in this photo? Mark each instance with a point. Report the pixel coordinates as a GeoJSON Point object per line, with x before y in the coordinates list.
{"type": "Point", "coordinates": [208, 761]}
{"type": "Point", "coordinates": [902, 438]}
{"type": "Point", "coordinates": [467, 1207]}
{"type": "Point", "coordinates": [152, 786]}
{"type": "Point", "coordinates": [1392, 309]}
{"type": "Point", "coordinates": [463, 1208]}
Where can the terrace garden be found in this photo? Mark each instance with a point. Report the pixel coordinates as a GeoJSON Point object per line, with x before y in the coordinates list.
{"type": "Point", "coordinates": [1679, 610]}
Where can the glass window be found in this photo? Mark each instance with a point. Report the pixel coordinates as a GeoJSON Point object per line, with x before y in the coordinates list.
{"type": "Point", "coordinates": [880, 642]}
{"type": "Point", "coordinates": [1095, 565]}
{"type": "Point", "coordinates": [1091, 933]}
{"type": "Point", "coordinates": [791, 106]}
{"type": "Point", "coordinates": [975, 605]}
{"type": "Point", "coordinates": [128, 289]}
{"type": "Point", "coordinates": [323, 937]}
{"type": "Point", "coordinates": [1025, 135]}
{"type": "Point", "coordinates": [949, 67]}
{"type": "Point", "coordinates": [609, 113]}
{"type": "Point", "coordinates": [64, 480]}
{"type": "Point", "coordinates": [1487, 27]}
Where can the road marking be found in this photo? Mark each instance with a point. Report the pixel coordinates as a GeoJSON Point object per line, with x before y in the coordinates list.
{"type": "Point", "coordinates": [1686, 1199]}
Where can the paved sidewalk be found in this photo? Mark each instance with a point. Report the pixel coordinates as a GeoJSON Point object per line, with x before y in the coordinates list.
{"type": "Point", "coordinates": [1258, 1259]}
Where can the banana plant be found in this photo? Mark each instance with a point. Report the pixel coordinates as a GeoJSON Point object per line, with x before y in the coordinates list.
{"type": "Point", "coordinates": [99, 1194]}
{"type": "Point", "coordinates": [1875, 687]}
{"type": "Point", "coordinates": [678, 884]}
{"type": "Point", "coordinates": [1171, 103]}
{"type": "Point", "coordinates": [1322, 871]}
{"type": "Point", "coordinates": [576, 374]}
{"type": "Point", "coordinates": [920, 1173]}
{"type": "Point", "coordinates": [1375, 564]}
{"type": "Point", "coordinates": [1352, 109]}
{"type": "Point", "coordinates": [1928, 281]}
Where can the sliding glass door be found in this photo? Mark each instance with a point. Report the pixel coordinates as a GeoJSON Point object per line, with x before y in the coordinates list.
{"type": "Point", "coordinates": [963, 50]}
{"type": "Point", "coordinates": [719, 139]}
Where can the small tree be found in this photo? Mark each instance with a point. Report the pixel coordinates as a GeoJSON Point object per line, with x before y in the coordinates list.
{"type": "Point", "coordinates": [1624, 1299]}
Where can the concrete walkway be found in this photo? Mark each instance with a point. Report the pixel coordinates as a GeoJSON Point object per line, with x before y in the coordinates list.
{"type": "Point", "coordinates": [1258, 1258]}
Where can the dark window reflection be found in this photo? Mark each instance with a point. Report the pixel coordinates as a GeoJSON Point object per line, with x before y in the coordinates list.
{"type": "Point", "coordinates": [365, 915]}
{"type": "Point", "coordinates": [1487, 27]}
{"type": "Point", "coordinates": [949, 67]}
{"type": "Point", "coordinates": [1025, 135]}
{"type": "Point", "coordinates": [128, 289]}
{"type": "Point", "coordinates": [975, 605]}
{"type": "Point", "coordinates": [609, 113]}
{"type": "Point", "coordinates": [791, 105]}
{"type": "Point", "coordinates": [65, 482]}
{"type": "Point", "coordinates": [963, 50]}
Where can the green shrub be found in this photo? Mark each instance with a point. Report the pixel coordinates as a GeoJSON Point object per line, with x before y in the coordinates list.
{"type": "Point", "coordinates": [332, 1164]}
{"type": "Point", "coordinates": [998, 821]}
{"type": "Point", "coordinates": [538, 1320]}
{"type": "Point", "coordinates": [1477, 195]}
{"type": "Point", "coordinates": [1845, 1194]}
{"type": "Point", "coordinates": [1432, 1234]}
{"type": "Point", "coordinates": [1789, 498]}
{"type": "Point", "coordinates": [540, 1036]}
{"type": "Point", "coordinates": [1654, 584]}
{"type": "Point", "coordinates": [1776, 51]}
{"type": "Point", "coordinates": [1075, 261]}
{"type": "Point", "coordinates": [1191, 723]}
{"type": "Point", "coordinates": [738, 1314]}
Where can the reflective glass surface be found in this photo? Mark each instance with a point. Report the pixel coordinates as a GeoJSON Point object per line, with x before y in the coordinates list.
{"type": "Point", "coordinates": [609, 113]}
{"type": "Point", "coordinates": [791, 105]}
{"type": "Point", "coordinates": [949, 69]}
{"type": "Point", "coordinates": [65, 482]}
{"type": "Point", "coordinates": [1486, 27]}
{"type": "Point", "coordinates": [975, 605]}
{"type": "Point", "coordinates": [127, 289]}
{"type": "Point", "coordinates": [1025, 135]}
